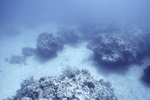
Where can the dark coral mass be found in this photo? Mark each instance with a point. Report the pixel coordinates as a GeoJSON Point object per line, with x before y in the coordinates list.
{"type": "Point", "coordinates": [146, 76]}
{"type": "Point", "coordinates": [122, 47]}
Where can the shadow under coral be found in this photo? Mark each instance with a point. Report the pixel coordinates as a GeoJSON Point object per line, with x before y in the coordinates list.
{"type": "Point", "coordinates": [42, 59]}
{"type": "Point", "coordinates": [106, 68]}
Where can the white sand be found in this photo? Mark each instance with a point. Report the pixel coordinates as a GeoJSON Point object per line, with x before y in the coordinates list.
{"type": "Point", "coordinates": [127, 85]}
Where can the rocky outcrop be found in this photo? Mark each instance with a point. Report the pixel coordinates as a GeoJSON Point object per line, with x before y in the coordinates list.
{"type": "Point", "coordinates": [75, 85]}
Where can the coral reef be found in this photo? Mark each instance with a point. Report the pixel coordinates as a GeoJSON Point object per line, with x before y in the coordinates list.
{"type": "Point", "coordinates": [78, 85]}
{"type": "Point", "coordinates": [127, 46]}
{"type": "Point", "coordinates": [111, 49]}
{"type": "Point", "coordinates": [48, 45]}
{"type": "Point", "coordinates": [146, 75]}
{"type": "Point", "coordinates": [27, 51]}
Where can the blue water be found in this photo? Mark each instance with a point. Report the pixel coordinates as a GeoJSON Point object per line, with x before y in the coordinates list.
{"type": "Point", "coordinates": [110, 38]}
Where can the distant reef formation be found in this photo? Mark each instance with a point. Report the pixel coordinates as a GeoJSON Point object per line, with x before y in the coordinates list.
{"type": "Point", "coordinates": [21, 59]}
{"type": "Point", "coordinates": [48, 45]}
{"type": "Point", "coordinates": [112, 44]}
{"type": "Point", "coordinates": [73, 84]}
{"type": "Point", "coordinates": [124, 46]}
{"type": "Point", "coordinates": [15, 59]}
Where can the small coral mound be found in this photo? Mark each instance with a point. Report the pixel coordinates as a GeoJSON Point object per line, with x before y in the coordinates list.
{"type": "Point", "coordinates": [48, 45]}
{"type": "Point", "coordinates": [17, 60]}
{"type": "Point", "coordinates": [146, 76]}
{"type": "Point", "coordinates": [77, 85]}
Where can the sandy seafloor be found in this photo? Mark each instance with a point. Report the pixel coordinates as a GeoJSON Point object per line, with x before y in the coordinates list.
{"type": "Point", "coordinates": [126, 83]}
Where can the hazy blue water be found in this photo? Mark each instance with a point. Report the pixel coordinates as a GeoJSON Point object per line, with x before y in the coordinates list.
{"type": "Point", "coordinates": [21, 18]}
{"type": "Point", "coordinates": [31, 13]}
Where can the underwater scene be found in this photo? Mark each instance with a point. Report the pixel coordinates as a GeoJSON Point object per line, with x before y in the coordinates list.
{"type": "Point", "coordinates": [74, 50]}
